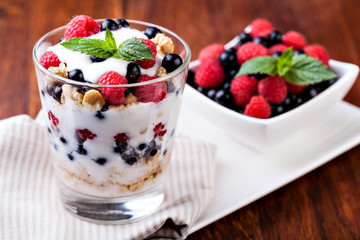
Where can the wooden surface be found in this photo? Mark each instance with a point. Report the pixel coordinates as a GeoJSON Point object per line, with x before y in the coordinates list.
{"type": "Point", "coordinates": [324, 204]}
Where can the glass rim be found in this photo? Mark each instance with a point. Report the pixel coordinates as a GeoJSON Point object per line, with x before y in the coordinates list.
{"type": "Point", "coordinates": [172, 74]}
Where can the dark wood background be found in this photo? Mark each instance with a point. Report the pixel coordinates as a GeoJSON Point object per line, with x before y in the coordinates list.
{"type": "Point", "coordinates": [324, 204]}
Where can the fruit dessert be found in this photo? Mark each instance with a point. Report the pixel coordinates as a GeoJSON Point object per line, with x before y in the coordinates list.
{"type": "Point", "coordinates": [110, 141]}
{"type": "Point", "coordinates": [265, 73]}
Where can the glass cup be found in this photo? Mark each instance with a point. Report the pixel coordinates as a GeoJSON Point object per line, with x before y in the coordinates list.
{"type": "Point", "coordinates": [110, 160]}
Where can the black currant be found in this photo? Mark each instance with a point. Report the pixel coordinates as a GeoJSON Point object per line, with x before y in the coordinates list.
{"type": "Point", "coordinates": [110, 24]}
{"type": "Point", "coordinates": [133, 72]}
{"type": "Point", "coordinates": [171, 62]}
{"type": "Point", "coordinates": [298, 52]}
{"type": "Point", "coordinates": [190, 78]}
{"type": "Point", "coordinates": [211, 94]}
{"type": "Point", "coordinates": [223, 98]}
{"type": "Point", "coordinates": [151, 32]}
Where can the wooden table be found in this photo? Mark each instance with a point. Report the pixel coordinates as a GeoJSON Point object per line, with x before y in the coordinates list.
{"type": "Point", "coordinates": [324, 204]}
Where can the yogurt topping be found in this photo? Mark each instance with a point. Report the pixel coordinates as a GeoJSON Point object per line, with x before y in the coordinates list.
{"type": "Point", "coordinates": [93, 71]}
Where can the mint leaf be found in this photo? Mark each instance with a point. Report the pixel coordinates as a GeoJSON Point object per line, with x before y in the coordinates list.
{"type": "Point", "coordinates": [110, 40]}
{"type": "Point", "coordinates": [307, 70]}
{"type": "Point", "coordinates": [284, 61]}
{"type": "Point", "coordinates": [133, 49]}
{"type": "Point", "coordinates": [265, 65]}
{"type": "Point", "coordinates": [93, 47]}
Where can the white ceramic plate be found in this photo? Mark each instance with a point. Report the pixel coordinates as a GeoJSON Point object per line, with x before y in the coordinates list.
{"type": "Point", "coordinates": [262, 134]}
{"type": "Point", "coordinates": [244, 175]}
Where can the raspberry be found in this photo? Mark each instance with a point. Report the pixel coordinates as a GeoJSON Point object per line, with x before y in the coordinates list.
{"type": "Point", "coordinates": [250, 50]}
{"type": "Point", "coordinates": [277, 48]}
{"type": "Point", "coordinates": [114, 95]}
{"type": "Point", "coordinates": [211, 52]}
{"type": "Point", "coordinates": [148, 63]}
{"type": "Point", "coordinates": [121, 138]}
{"type": "Point", "coordinates": [242, 88]}
{"type": "Point", "coordinates": [81, 26]}
{"type": "Point", "coordinates": [49, 59]}
{"type": "Point", "coordinates": [210, 74]}
{"type": "Point", "coordinates": [154, 92]}
{"type": "Point", "coordinates": [260, 28]}
{"type": "Point", "coordinates": [295, 89]}
{"type": "Point", "coordinates": [273, 89]}
{"type": "Point", "coordinates": [294, 39]}
{"type": "Point", "coordinates": [319, 52]}
{"type": "Point", "coordinates": [54, 119]}
{"type": "Point", "coordinates": [159, 130]}
{"type": "Point", "coordinates": [85, 134]}
{"type": "Point", "coordinates": [258, 107]}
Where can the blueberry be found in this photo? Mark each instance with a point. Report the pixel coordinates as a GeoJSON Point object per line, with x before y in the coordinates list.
{"type": "Point", "coordinates": [97, 59]}
{"type": "Point", "coordinates": [165, 152]}
{"type": "Point", "coordinates": [77, 75]}
{"type": "Point", "coordinates": [132, 72]}
{"type": "Point", "coordinates": [62, 39]}
{"type": "Point", "coordinates": [110, 24]}
{"type": "Point", "coordinates": [105, 107]}
{"type": "Point", "coordinates": [171, 62]}
{"type": "Point", "coordinates": [211, 94]}
{"type": "Point", "coordinates": [230, 74]}
{"type": "Point", "coordinates": [202, 90]}
{"type": "Point", "coordinates": [260, 76]}
{"type": "Point", "coordinates": [170, 86]}
{"type": "Point", "coordinates": [128, 91]}
{"type": "Point", "coordinates": [63, 140]}
{"type": "Point", "coordinates": [226, 86]}
{"type": "Point", "coordinates": [99, 115]}
{"type": "Point", "coordinates": [55, 91]}
{"type": "Point", "coordinates": [130, 156]}
{"type": "Point", "coordinates": [191, 78]}
{"type": "Point", "coordinates": [122, 23]}
{"type": "Point", "coordinates": [298, 52]}
{"type": "Point", "coordinates": [150, 149]}
{"type": "Point", "coordinates": [223, 98]}
{"type": "Point", "coordinates": [151, 32]}
{"type": "Point", "coordinates": [120, 147]}
{"type": "Point", "coordinates": [70, 156]}
{"type": "Point", "coordinates": [228, 59]}
{"type": "Point", "coordinates": [275, 37]}
{"type": "Point", "coordinates": [101, 161]}
{"type": "Point", "coordinates": [130, 160]}
{"type": "Point", "coordinates": [312, 92]}
{"type": "Point", "coordinates": [277, 109]}
{"type": "Point", "coordinates": [277, 54]}
{"type": "Point", "coordinates": [263, 41]}
{"type": "Point", "coordinates": [81, 150]}
{"type": "Point", "coordinates": [244, 37]}
{"type": "Point", "coordinates": [142, 146]}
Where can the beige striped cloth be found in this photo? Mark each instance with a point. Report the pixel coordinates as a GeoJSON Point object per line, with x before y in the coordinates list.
{"type": "Point", "coordinates": [30, 207]}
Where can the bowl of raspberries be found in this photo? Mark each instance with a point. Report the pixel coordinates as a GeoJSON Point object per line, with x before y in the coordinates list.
{"type": "Point", "coordinates": [265, 85]}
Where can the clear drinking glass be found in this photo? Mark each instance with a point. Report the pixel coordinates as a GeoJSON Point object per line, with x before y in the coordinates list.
{"type": "Point", "coordinates": [110, 163]}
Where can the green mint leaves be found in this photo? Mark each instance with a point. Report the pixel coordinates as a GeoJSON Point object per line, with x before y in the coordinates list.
{"type": "Point", "coordinates": [131, 49]}
{"type": "Point", "coordinates": [300, 69]}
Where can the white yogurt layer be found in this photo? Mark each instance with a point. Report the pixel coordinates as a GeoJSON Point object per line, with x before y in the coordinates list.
{"type": "Point", "coordinates": [93, 71]}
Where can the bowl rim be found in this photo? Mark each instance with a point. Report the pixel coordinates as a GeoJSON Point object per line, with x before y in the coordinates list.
{"type": "Point", "coordinates": [174, 73]}
{"type": "Point", "coordinates": [350, 69]}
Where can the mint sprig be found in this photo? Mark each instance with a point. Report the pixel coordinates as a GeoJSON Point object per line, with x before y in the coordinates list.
{"type": "Point", "coordinates": [131, 49]}
{"type": "Point", "coordinates": [300, 69]}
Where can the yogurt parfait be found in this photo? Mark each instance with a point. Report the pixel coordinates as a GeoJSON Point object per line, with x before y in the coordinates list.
{"type": "Point", "coordinates": [111, 92]}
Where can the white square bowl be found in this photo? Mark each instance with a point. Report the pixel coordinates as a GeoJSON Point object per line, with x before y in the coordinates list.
{"type": "Point", "coordinates": [261, 134]}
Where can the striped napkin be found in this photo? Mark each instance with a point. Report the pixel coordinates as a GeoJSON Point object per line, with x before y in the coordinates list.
{"type": "Point", "coordinates": [30, 207]}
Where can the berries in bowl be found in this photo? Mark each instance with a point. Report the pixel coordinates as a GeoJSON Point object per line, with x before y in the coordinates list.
{"type": "Point", "coordinates": [263, 85]}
